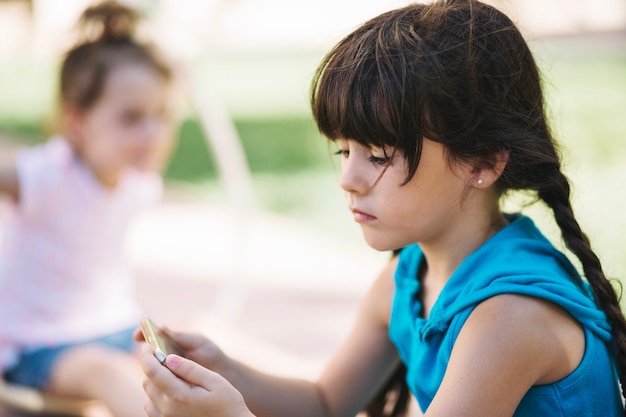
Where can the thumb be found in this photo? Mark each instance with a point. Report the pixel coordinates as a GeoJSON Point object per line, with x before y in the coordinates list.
{"type": "Point", "coordinates": [190, 371]}
{"type": "Point", "coordinates": [184, 340]}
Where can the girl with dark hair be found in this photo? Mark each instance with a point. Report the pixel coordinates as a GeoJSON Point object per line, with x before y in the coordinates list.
{"type": "Point", "coordinates": [66, 297]}
{"type": "Point", "coordinates": [437, 112]}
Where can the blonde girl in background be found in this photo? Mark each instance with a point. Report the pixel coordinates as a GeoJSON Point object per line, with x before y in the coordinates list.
{"type": "Point", "coordinates": [67, 302]}
{"type": "Point", "coordinates": [437, 111]}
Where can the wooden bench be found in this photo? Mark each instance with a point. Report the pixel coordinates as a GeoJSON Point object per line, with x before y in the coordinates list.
{"type": "Point", "coordinates": [34, 401]}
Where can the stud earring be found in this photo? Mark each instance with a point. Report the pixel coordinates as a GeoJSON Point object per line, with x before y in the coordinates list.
{"type": "Point", "coordinates": [480, 181]}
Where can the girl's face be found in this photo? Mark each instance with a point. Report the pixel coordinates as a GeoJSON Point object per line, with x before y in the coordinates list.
{"type": "Point", "coordinates": [393, 215]}
{"type": "Point", "coordinates": [128, 127]}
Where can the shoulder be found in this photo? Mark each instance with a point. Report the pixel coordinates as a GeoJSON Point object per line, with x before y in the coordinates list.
{"type": "Point", "coordinates": [44, 160]}
{"type": "Point", "coordinates": [508, 344]}
{"type": "Point", "coordinates": [41, 171]}
{"type": "Point", "coordinates": [55, 149]}
{"type": "Point", "coordinates": [532, 335]}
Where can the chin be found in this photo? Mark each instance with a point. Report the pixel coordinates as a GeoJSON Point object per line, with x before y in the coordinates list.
{"type": "Point", "coordinates": [379, 244]}
{"type": "Point", "coordinates": [386, 242]}
{"type": "Point", "coordinates": [144, 166]}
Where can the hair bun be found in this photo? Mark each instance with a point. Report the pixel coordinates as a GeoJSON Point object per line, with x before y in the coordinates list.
{"type": "Point", "coordinates": [108, 21]}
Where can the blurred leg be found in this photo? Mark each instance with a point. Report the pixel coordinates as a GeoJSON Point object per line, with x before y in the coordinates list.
{"type": "Point", "coordinates": [97, 372]}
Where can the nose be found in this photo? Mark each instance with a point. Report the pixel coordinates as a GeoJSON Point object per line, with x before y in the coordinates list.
{"type": "Point", "coordinates": [353, 177]}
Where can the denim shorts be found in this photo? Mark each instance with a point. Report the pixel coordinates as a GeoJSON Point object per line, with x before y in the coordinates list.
{"type": "Point", "coordinates": [35, 365]}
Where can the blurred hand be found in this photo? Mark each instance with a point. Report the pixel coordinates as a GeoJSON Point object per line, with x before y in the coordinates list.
{"type": "Point", "coordinates": [183, 388]}
{"type": "Point", "coordinates": [196, 347]}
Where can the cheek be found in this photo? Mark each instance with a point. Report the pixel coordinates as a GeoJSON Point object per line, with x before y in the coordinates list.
{"type": "Point", "coordinates": [166, 137]}
{"type": "Point", "coordinates": [111, 146]}
{"type": "Point", "coordinates": [125, 130]}
{"type": "Point", "coordinates": [104, 134]}
{"type": "Point", "coordinates": [409, 208]}
{"type": "Point", "coordinates": [166, 147]}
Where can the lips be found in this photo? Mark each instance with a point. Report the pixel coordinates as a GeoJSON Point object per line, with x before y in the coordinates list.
{"type": "Point", "coordinates": [361, 216]}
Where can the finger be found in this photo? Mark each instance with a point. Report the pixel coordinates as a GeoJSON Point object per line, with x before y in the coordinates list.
{"type": "Point", "coordinates": [138, 335]}
{"type": "Point", "coordinates": [151, 409]}
{"type": "Point", "coordinates": [192, 372]}
{"type": "Point", "coordinates": [166, 383]}
{"type": "Point", "coordinates": [151, 391]}
{"type": "Point", "coordinates": [158, 374]}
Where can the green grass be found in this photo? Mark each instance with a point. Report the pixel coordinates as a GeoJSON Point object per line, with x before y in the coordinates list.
{"type": "Point", "coordinates": [274, 144]}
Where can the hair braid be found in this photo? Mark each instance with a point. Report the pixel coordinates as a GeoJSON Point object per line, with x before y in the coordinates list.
{"type": "Point", "coordinates": [556, 194]}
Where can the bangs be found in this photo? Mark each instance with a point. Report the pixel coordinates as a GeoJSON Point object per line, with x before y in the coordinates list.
{"type": "Point", "coordinates": [349, 101]}
{"type": "Point", "coordinates": [374, 87]}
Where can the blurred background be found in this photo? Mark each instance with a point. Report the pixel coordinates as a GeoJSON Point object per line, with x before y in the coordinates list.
{"type": "Point", "coordinates": [276, 267]}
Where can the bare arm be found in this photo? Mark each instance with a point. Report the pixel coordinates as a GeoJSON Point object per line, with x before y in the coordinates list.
{"type": "Point", "coordinates": [354, 374]}
{"type": "Point", "coordinates": [367, 358]}
{"type": "Point", "coordinates": [508, 344]}
{"type": "Point", "coordinates": [9, 184]}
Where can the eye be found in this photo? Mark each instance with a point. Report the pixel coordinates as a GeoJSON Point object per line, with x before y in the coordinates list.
{"type": "Point", "coordinates": [379, 156]}
{"type": "Point", "coordinates": [344, 153]}
{"type": "Point", "coordinates": [379, 160]}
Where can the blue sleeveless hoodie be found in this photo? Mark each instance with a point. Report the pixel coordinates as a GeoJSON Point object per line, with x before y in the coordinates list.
{"type": "Point", "coordinates": [516, 260]}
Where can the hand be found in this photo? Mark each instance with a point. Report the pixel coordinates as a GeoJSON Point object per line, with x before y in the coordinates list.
{"type": "Point", "coordinates": [183, 388]}
{"type": "Point", "coordinates": [197, 348]}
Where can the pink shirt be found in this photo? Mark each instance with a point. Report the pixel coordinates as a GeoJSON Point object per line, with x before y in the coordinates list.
{"type": "Point", "coordinates": [63, 276]}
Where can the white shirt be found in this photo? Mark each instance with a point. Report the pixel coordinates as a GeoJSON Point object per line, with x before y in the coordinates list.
{"type": "Point", "coordinates": [63, 276]}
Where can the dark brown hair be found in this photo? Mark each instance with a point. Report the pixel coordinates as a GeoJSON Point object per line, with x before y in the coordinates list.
{"type": "Point", "coordinates": [460, 73]}
{"type": "Point", "coordinates": [107, 41]}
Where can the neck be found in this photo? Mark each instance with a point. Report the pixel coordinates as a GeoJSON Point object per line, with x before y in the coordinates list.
{"type": "Point", "coordinates": [446, 253]}
{"type": "Point", "coordinates": [108, 180]}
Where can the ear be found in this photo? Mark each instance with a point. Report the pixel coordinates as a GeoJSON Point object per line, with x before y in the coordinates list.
{"type": "Point", "coordinates": [486, 172]}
